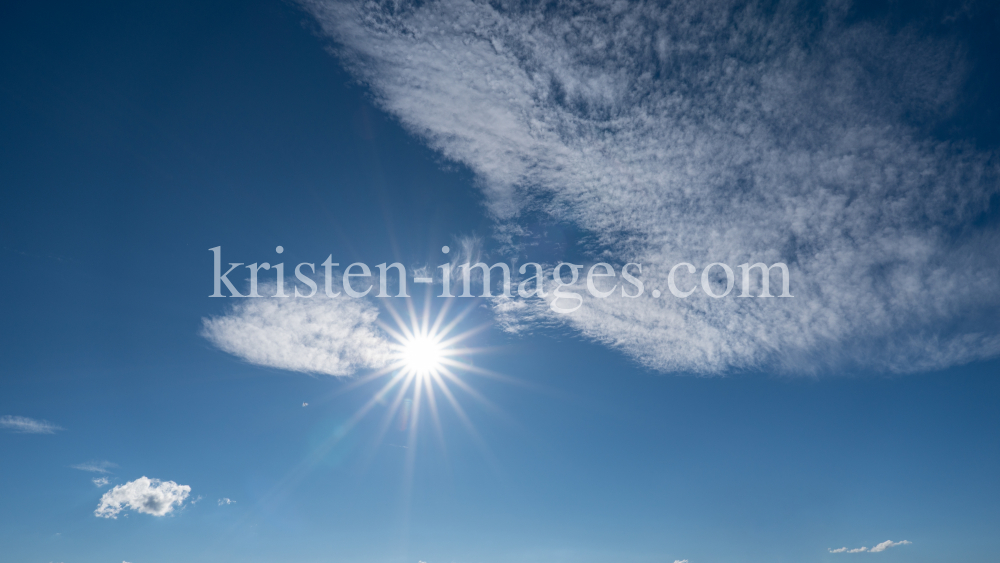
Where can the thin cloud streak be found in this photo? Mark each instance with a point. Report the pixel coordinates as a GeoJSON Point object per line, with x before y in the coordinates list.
{"type": "Point", "coordinates": [25, 425]}
{"type": "Point", "coordinates": [887, 544]}
{"type": "Point", "coordinates": [95, 466]}
{"type": "Point", "coordinates": [877, 549]}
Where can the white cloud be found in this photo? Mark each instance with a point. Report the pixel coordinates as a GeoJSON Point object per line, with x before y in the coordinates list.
{"type": "Point", "coordinates": [226, 501]}
{"type": "Point", "coordinates": [95, 466]}
{"type": "Point", "coordinates": [711, 132]}
{"type": "Point", "coordinates": [101, 481]}
{"type": "Point", "coordinates": [25, 425]}
{"type": "Point", "coordinates": [334, 336]}
{"type": "Point", "coordinates": [144, 495]}
{"type": "Point", "coordinates": [305, 404]}
{"type": "Point", "coordinates": [878, 548]}
{"type": "Point", "coordinates": [680, 561]}
{"type": "Point", "coordinates": [887, 544]}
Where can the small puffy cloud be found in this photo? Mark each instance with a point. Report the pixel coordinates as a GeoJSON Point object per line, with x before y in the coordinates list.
{"type": "Point", "coordinates": [95, 466]}
{"type": "Point", "coordinates": [680, 561]}
{"type": "Point", "coordinates": [305, 404]}
{"type": "Point", "coordinates": [144, 495]}
{"type": "Point", "coordinates": [101, 481]}
{"type": "Point", "coordinates": [887, 544]}
{"type": "Point", "coordinates": [333, 336]}
{"type": "Point", "coordinates": [226, 501]}
{"type": "Point", "coordinates": [25, 425]}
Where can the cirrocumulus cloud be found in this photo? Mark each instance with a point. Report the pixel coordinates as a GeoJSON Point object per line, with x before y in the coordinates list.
{"type": "Point", "coordinates": [317, 335]}
{"type": "Point", "coordinates": [707, 131]}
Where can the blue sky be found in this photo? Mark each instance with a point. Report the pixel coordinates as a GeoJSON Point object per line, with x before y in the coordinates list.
{"type": "Point", "coordinates": [859, 145]}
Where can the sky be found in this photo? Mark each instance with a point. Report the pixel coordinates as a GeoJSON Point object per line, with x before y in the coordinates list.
{"type": "Point", "coordinates": [142, 420]}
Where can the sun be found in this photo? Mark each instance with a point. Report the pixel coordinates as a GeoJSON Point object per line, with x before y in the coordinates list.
{"type": "Point", "coordinates": [428, 363]}
{"type": "Point", "coordinates": [422, 355]}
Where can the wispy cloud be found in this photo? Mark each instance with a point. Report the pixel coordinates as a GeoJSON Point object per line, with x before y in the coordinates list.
{"type": "Point", "coordinates": [101, 481]}
{"type": "Point", "coordinates": [718, 131]}
{"type": "Point", "coordinates": [144, 495]}
{"type": "Point", "coordinates": [887, 544]}
{"type": "Point", "coordinates": [226, 501]}
{"type": "Point", "coordinates": [95, 466]}
{"type": "Point", "coordinates": [334, 336]}
{"type": "Point", "coordinates": [25, 425]}
{"type": "Point", "coordinates": [878, 548]}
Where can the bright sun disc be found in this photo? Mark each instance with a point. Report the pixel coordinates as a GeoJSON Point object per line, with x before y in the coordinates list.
{"type": "Point", "coordinates": [422, 355]}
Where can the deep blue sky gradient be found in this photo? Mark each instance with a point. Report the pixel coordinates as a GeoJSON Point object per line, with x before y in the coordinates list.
{"type": "Point", "coordinates": [137, 136]}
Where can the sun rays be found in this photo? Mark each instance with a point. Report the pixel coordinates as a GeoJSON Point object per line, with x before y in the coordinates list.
{"type": "Point", "coordinates": [431, 361]}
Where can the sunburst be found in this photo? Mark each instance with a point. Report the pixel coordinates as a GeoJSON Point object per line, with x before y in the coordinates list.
{"type": "Point", "coordinates": [428, 361]}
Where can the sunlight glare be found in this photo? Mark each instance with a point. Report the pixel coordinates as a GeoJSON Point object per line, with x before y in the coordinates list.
{"type": "Point", "coordinates": [422, 355]}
